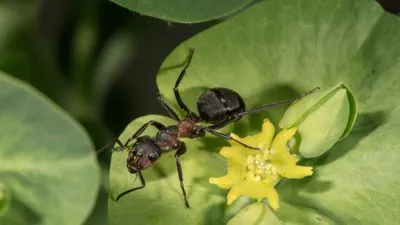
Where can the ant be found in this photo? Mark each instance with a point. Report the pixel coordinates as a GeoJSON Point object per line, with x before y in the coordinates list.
{"type": "Point", "coordinates": [217, 106]}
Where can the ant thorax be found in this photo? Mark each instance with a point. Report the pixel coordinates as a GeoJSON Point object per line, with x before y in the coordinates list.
{"type": "Point", "coordinates": [168, 138]}
{"type": "Point", "coordinates": [186, 127]}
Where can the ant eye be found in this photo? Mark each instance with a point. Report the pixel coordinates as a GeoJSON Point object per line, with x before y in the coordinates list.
{"type": "Point", "coordinates": [153, 156]}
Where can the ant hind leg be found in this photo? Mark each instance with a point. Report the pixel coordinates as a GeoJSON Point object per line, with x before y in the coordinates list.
{"type": "Point", "coordinates": [181, 150]}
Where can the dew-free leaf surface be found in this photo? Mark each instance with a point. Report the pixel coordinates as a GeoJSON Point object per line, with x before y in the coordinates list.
{"type": "Point", "coordinates": [257, 213]}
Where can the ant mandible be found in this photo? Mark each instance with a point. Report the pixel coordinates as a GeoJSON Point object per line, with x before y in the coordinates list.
{"type": "Point", "coordinates": [217, 106]}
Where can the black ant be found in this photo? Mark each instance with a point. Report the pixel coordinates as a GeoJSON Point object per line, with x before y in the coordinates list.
{"type": "Point", "coordinates": [217, 106]}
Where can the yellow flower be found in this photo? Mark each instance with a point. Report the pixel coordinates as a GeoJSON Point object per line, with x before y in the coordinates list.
{"type": "Point", "coordinates": [255, 173]}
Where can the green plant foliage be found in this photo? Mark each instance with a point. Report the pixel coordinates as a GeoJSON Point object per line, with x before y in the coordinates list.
{"type": "Point", "coordinates": [321, 119]}
{"type": "Point", "coordinates": [184, 11]}
{"type": "Point", "coordinates": [46, 160]}
{"type": "Point", "coordinates": [4, 199]}
{"type": "Point", "coordinates": [257, 213]}
{"type": "Point", "coordinates": [269, 52]}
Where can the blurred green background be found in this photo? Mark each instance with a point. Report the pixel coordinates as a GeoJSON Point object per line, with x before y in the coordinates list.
{"type": "Point", "coordinates": [95, 59]}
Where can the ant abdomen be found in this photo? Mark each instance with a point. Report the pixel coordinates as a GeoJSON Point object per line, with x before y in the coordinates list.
{"type": "Point", "coordinates": [217, 104]}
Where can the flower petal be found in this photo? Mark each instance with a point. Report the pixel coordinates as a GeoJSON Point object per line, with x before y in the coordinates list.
{"type": "Point", "coordinates": [262, 140]}
{"type": "Point", "coordinates": [233, 155]}
{"type": "Point", "coordinates": [266, 135]}
{"type": "Point", "coordinates": [248, 141]}
{"type": "Point", "coordinates": [256, 189]}
{"type": "Point", "coordinates": [224, 182]}
{"type": "Point", "coordinates": [280, 154]}
{"type": "Point", "coordinates": [236, 168]}
{"type": "Point", "coordinates": [295, 172]}
{"type": "Point", "coordinates": [273, 178]}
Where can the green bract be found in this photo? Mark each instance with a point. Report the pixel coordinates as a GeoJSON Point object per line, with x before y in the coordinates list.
{"type": "Point", "coordinates": [321, 119]}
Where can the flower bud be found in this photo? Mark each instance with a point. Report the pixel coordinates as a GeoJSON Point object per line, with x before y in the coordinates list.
{"type": "Point", "coordinates": [322, 119]}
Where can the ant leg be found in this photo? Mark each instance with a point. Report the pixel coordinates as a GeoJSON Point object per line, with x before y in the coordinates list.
{"type": "Point", "coordinates": [136, 188]}
{"type": "Point", "coordinates": [181, 150]}
{"type": "Point", "coordinates": [224, 122]}
{"type": "Point", "coordinates": [275, 104]}
{"type": "Point", "coordinates": [156, 124]}
{"type": "Point", "coordinates": [167, 107]}
{"type": "Point", "coordinates": [211, 131]}
{"type": "Point", "coordinates": [121, 146]}
{"type": "Point", "coordinates": [116, 140]}
{"type": "Point", "coordinates": [178, 81]}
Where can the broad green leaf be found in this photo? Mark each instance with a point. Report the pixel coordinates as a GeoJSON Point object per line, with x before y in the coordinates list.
{"type": "Point", "coordinates": [257, 213]}
{"type": "Point", "coordinates": [360, 172]}
{"type": "Point", "coordinates": [184, 11]}
{"type": "Point", "coordinates": [46, 160]}
{"type": "Point", "coordinates": [300, 214]}
{"type": "Point", "coordinates": [273, 51]}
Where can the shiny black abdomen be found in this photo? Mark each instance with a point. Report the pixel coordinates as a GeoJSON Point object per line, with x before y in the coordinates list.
{"type": "Point", "coordinates": [217, 104]}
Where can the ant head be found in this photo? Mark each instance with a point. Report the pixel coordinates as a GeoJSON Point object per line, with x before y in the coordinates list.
{"type": "Point", "coordinates": [144, 154]}
{"type": "Point", "coordinates": [141, 161]}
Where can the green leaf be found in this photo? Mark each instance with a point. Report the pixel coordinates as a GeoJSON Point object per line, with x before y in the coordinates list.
{"type": "Point", "coordinates": [46, 159]}
{"type": "Point", "coordinates": [257, 213]}
{"type": "Point", "coordinates": [187, 11]}
{"type": "Point", "coordinates": [299, 214]}
{"type": "Point", "coordinates": [273, 51]}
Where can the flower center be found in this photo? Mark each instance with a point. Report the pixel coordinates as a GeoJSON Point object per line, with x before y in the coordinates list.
{"type": "Point", "coordinates": [259, 167]}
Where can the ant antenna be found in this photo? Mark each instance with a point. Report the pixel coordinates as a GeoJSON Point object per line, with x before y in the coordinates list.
{"type": "Point", "coordinates": [117, 149]}
{"type": "Point", "coordinates": [275, 104]}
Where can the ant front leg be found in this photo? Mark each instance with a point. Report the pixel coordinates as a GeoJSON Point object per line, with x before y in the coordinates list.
{"type": "Point", "coordinates": [142, 181]}
{"type": "Point", "coordinates": [156, 124]}
{"type": "Point", "coordinates": [181, 150]}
